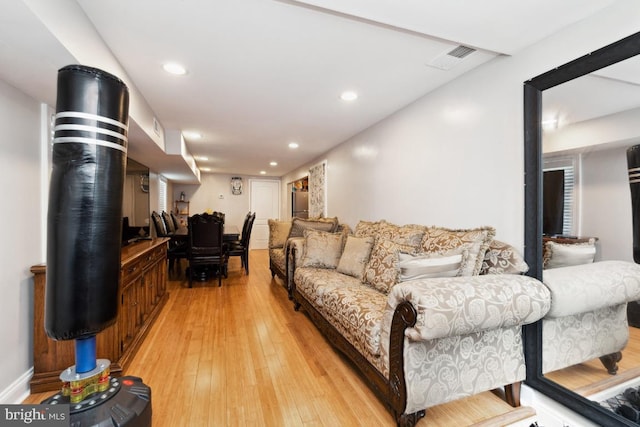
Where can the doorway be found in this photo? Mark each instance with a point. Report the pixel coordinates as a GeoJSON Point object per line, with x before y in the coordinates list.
{"type": "Point", "coordinates": [300, 198]}
{"type": "Point", "coordinates": [265, 202]}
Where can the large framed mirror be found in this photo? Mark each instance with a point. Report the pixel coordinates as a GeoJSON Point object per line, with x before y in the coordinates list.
{"type": "Point", "coordinates": [135, 203]}
{"type": "Point", "coordinates": [544, 96]}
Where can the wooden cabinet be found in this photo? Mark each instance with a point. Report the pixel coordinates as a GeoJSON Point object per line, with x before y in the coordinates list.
{"type": "Point", "coordinates": [142, 293]}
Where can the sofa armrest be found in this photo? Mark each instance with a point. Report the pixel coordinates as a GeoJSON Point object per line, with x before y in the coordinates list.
{"type": "Point", "coordinates": [588, 287]}
{"type": "Point", "coordinates": [293, 249]}
{"type": "Point", "coordinates": [462, 305]}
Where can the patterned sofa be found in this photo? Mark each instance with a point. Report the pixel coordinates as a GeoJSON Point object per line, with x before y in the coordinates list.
{"type": "Point", "coordinates": [588, 316]}
{"type": "Point", "coordinates": [283, 233]}
{"type": "Point", "coordinates": [427, 314]}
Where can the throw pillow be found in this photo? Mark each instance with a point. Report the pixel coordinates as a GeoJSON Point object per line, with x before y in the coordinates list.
{"type": "Point", "coordinates": [424, 266]}
{"type": "Point", "coordinates": [367, 229]}
{"type": "Point", "coordinates": [565, 255]}
{"type": "Point", "coordinates": [382, 270]}
{"type": "Point", "coordinates": [355, 256]}
{"type": "Point", "coordinates": [502, 258]}
{"type": "Point", "coordinates": [278, 233]}
{"type": "Point", "coordinates": [322, 249]}
{"type": "Point", "coordinates": [404, 235]}
{"type": "Point", "coordinates": [299, 225]}
{"type": "Point", "coordinates": [476, 241]}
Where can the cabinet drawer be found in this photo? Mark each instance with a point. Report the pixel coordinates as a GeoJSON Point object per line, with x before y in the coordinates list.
{"type": "Point", "coordinates": [130, 271]}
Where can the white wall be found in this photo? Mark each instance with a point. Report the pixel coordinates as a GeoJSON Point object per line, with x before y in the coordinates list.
{"type": "Point", "coordinates": [206, 196]}
{"type": "Point", "coordinates": [455, 157]}
{"type": "Point", "coordinates": [606, 203]}
{"type": "Point", "coordinates": [22, 236]}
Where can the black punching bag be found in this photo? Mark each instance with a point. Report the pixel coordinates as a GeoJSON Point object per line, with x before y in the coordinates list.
{"type": "Point", "coordinates": [633, 163]}
{"type": "Point", "coordinates": [85, 202]}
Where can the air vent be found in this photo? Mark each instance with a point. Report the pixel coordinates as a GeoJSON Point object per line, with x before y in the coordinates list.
{"type": "Point", "coordinates": [461, 52]}
{"type": "Point", "coordinates": [448, 60]}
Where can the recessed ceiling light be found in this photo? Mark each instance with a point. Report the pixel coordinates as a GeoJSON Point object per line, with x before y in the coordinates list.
{"type": "Point", "coordinates": [274, 163]}
{"type": "Point", "coordinates": [293, 145]}
{"type": "Point", "coordinates": [190, 134]}
{"type": "Point", "coordinates": [174, 68]}
{"type": "Point", "coordinates": [349, 96]}
{"type": "Point", "coordinates": [263, 172]}
{"type": "Point", "coordinates": [203, 158]}
{"type": "Point", "coordinates": [205, 169]}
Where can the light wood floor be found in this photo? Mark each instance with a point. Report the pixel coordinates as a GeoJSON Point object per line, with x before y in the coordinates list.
{"type": "Point", "coordinates": [240, 355]}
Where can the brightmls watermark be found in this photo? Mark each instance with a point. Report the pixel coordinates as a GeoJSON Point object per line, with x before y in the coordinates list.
{"type": "Point", "coordinates": [34, 415]}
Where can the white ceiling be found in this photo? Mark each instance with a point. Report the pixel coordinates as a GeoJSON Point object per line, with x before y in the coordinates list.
{"type": "Point", "coordinates": [263, 73]}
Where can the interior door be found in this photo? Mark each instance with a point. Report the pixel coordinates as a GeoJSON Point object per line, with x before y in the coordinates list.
{"type": "Point", "coordinates": [265, 202]}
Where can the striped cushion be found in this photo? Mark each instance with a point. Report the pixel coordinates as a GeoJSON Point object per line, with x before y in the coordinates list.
{"type": "Point", "coordinates": [564, 255]}
{"type": "Point", "coordinates": [423, 266]}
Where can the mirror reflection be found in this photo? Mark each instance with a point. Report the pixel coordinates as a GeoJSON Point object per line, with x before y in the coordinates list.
{"type": "Point", "coordinates": [135, 206]}
{"type": "Point", "coordinates": [588, 125]}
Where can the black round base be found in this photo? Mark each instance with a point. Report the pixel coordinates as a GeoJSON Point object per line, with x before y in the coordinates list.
{"type": "Point", "coordinates": [126, 403]}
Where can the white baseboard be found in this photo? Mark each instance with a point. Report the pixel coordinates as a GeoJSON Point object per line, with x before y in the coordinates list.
{"type": "Point", "coordinates": [18, 390]}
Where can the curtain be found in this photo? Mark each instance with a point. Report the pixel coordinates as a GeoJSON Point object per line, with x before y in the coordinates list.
{"type": "Point", "coordinates": [317, 190]}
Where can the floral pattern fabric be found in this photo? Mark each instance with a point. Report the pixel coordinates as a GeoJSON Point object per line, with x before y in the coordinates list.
{"type": "Point", "coordinates": [574, 339]}
{"type": "Point", "coordinates": [462, 305]}
{"type": "Point", "coordinates": [355, 256]}
{"type": "Point", "coordinates": [278, 233]}
{"type": "Point", "coordinates": [439, 371]}
{"type": "Point", "coordinates": [439, 239]}
{"type": "Point", "coordinates": [353, 308]}
{"type": "Point", "coordinates": [382, 270]}
{"type": "Point", "coordinates": [322, 249]}
{"type": "Point", "coordinates": [502, 258]}
{"type": "Point", "coordinates": [299, 225]}
{"type": "Point", "coordinates": [317, 190]}
{"type": "Point", "coordinates": [588, 287]}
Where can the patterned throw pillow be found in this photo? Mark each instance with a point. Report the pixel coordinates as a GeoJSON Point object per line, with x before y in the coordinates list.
{"type": "Point", "coordinates": [502, 258]}
{"type": "Point", "coordinates": [355, 256]}
{"type": "Point", "coordinates": [299, 225]}
{"type": "Point", "coordinates": [322, 249]}
{"type": "Point", "coordinates": [404, 235]}
{"type": "Point", "coordinates": [382, 270]}
{"type": "Point", "coordinates": [476, 241]}
{"type": "Point", "coordinates": [565, 255]}
{"type": "Point", "coordinates": [424, 266]}
{"type": "Point", "coordinates": [278, 233]}
{"type": "Point", "coordinates": [367, 229]}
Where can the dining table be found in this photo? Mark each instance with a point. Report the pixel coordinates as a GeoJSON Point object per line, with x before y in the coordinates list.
{"type": "Point", "coordinates": [230, 233]}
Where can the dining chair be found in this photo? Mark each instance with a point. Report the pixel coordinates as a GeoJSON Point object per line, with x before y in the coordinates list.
{"type": "Point", "coordinates": [205, 247]}
{"type": "Point", "coordinates": [158, 223]}
{"type": "Point", "coordinates": [241, 248]}
{"type": "Point", "coordinates": [176, 221]}
{"type": "Point", "coordinates": [176, 249]}
{"type": "Point", "coordinates": [168, 222]}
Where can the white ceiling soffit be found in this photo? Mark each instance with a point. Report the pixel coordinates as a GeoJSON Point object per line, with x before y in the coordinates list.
{"type": "Point", "coordinates": [587, 98]}
{"type": "Point", "coordinates": [626, 71]}
{"type": "Point", "coordinates": [501, 26]}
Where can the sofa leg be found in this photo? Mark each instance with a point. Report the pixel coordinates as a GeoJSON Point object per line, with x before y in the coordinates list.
{"type": "Point", "coordinates": [410, 420]}
{"type": "Point", "coordinates": [610, 361]}
{"type": "Point", "coordinates": [512, 394]}
{"type": "Point", "coordinates": [296, 305]}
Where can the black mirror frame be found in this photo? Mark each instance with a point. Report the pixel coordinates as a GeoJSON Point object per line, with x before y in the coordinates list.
{"type": "Point", "coordinates": [601, 58]}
